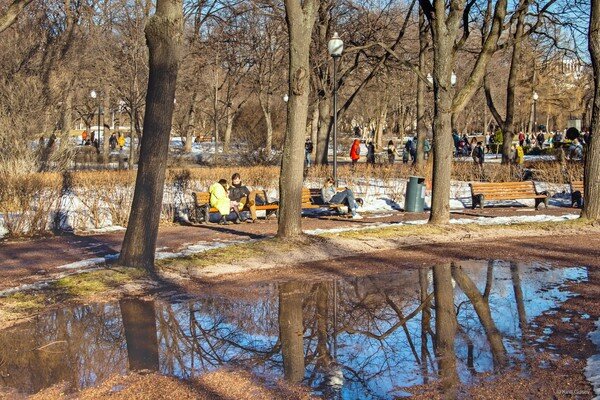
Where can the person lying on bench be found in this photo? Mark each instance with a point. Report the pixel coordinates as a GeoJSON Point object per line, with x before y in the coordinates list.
{"type": "Point", "coordinates": [220, 200]}
{"type": "Point", "coordinates": [332, 196]}
{"type": "Point", "coordinates": [238, 194]}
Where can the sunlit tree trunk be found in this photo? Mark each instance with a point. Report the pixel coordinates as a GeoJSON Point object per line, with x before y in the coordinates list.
{"type": "Point", "coordinates": [322, 144]}
{"type": "Point", "coordinates": [516, 281]}
{"type": "Point", "coordinates": [300, 18]}
{"type": "Point", "coordinates": [591, 206]}
{"type": "Point", "coordinates": [164, 33]}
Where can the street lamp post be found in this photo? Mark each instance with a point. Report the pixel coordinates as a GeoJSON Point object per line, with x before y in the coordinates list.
{"type": "Point", "coordinates": [335, 48]}
{"type": "Point", "coordinates": [94, 95]}
{"type": "Point", "coordinates": [535, 99]}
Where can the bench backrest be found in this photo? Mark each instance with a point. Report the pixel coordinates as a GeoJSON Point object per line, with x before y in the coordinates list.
{"type": "Point", "coordinates": [201, 198]}
{"type": "Point", "coordinates": [527, 187]}
{"type": "Point", "coordinates": [306, 196]}
{"type": "Point", "coordinates": [576, 186]}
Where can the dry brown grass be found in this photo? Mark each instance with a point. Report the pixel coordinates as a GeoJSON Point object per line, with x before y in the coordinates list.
{"type": "Point", "coordinates": [27, 202]}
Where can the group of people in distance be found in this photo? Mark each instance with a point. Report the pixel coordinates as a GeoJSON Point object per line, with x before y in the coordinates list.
{"type": "Point", "coordinates": [232, 199]}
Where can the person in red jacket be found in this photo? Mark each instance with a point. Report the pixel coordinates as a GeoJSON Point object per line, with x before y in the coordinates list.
{"type": "Point", "coordinates": [355, 151]}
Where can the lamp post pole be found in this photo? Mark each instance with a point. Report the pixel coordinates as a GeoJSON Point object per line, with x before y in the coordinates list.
{"type": "Point", "coordinates": [335, 181]}
{"type": "Point", "coordinates": [335, 48]}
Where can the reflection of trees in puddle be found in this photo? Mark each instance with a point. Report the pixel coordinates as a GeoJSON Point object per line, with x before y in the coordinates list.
{"type": "Point", "coordinates": [374, 335]}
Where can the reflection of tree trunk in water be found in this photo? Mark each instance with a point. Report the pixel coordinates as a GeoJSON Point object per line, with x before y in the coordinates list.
{"type": "Point", "coordinates": [323, 355]}
{"type": "Point", "coordinates": [139, 322]}
{"type": "Point", "coordinates": [516, 281]}
{"type": "Point", "coordinates": [482, 308]}
{"type": "Point", "coordinates": [425, 322]}
{"type": "Point", "coordinates": [291, 330]}
{"type": "Point", "coordinates": [445, 327]}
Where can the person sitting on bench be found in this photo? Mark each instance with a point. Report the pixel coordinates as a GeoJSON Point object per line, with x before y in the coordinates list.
{"type": "Point", "coordinates": [219, 199]}
{"type": "Point", "coordinates": [346, 196]}
{"type": "Point", "coordinates": [238, 194]}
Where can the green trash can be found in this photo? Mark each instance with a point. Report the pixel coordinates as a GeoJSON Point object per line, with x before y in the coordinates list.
{"type": "Point", "coordinates": [414, 201]}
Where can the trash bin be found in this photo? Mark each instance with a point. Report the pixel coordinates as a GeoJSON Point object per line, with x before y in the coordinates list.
{"type": "Point", "coordinates": [414, 201]}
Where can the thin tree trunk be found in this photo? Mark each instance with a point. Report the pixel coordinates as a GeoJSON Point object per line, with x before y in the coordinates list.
{"type": "Point", "coordinates": [164, 33]}
{"type": "Point", "coordinates": [105, 131]}
{"type": "Point", "coordinates": [191, 123]}
{"type": "Point", "coordinates": [421, 128]}
{"type": "Point", "coordinates": [228, 130]}
{"type": "Point", "coordinates": [314, 129]}
{"type": "Point", "coordinates": [425, 321]}
{"type": "Point", "coordinates": [322, 144]}
{"type": "Point", "coordinates": [591, 206]}
{"type": "Point", "coordinates": [291, 330]}
{"type": "Point", "coordinates": [516, 281]}
{"type": "Point", "coordinates": [445, 329]}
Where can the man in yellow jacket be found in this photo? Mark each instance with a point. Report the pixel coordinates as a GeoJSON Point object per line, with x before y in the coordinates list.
{"type": "Point", "coordinates": [219, 199]}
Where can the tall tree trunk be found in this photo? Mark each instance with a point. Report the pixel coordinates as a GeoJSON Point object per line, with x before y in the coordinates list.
{"type": "Point", "coordinates": [291, 330]}
{"type": "Point", "coordinates": [515, 62]}
{"type": "Point", "coordinates": [190, 123]}
{"type": "Point", "coordinates": [139, 324]}
{"type": "Point", "coordinates": [445, 329]}
{"type": "Point", "coordinates": [300, 18]}
{"type": "Point", "coordinates": [421, 128]}
{"type": "Point", "coordinates": [381, 118]}
{"type": "Point", "coordinates": [269, 122]}
{"type": "Point", "coordinates": [322, 144]}
{"type": "Point", "coordinates": [103, 124]}
{"type": "Point", "coordinates": [164, 33]}
{"type": "Point", "coordinates": [67, 113]}
{"type": "Point", "coordinates": [591, 206]}
{"type": "Point", "coordinates": [314, 130]}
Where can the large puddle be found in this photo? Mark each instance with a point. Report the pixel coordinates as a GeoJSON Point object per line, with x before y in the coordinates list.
{"type": "Point", "coordinates": [354, 338]}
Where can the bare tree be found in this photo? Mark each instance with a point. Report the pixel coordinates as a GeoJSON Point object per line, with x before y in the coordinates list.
{"type": "Point", "coordinates": [300, 18]}
{"type": "Point", "coordinates": [445, 22]}
{"type": "Point", "coordinates": [164, 33]}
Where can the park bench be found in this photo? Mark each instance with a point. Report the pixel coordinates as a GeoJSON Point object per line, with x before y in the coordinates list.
{"type": "Point", "coordinates": [202, 209]}
{"type": "Point", "coordinates": [485, 191]}
{"type": "Point", "coordinates": [576, 193]}
{"type": "Point", "coordinates": [311, 199]}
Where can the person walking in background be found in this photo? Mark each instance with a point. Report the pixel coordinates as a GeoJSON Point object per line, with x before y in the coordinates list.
{"type": "Point", "coordinates": [84, 137]}
{"type": "Point", "coordinates": [426, 148]}
{"type": "Point", "coordinates": [371, 153]}
{"type": "Point", "coordinates": [540, 138]}
{"type": "Point", "coordinates": [308, 149]}
{"type": "Point", "coordinates": [121, 141]}
{"type": "Point", "coordinates": [521, 138]}
{"type": "Point", "coordinates": [456, 140]}
{"type": "Point", "coordinates": [392, 152]}
{"type": "Point", "coordinates": [478, 154]}
{"type": "Point", "coordinates": [519, 154]}
{"type": "Point", "coordinates": [355, 151]}
{"type": "Point", "coordinates": [112, 141]}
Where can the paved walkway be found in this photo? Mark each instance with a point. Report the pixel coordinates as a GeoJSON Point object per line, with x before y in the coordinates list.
{"type": "Point", "coordinates": [25, 261]}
